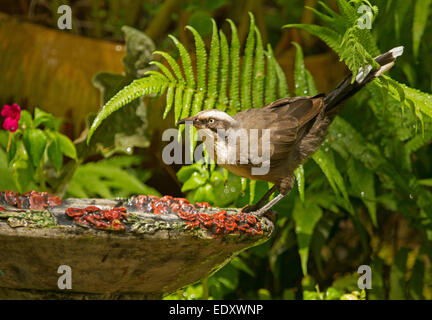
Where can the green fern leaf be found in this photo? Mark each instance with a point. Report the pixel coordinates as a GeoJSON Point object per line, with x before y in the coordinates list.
{"type": "Point", "coordinates": [201, 56]}
{"type": "Point", "coordinates": [282, 82]}
{"type": "Point", "coordinates": [330, 37]}
{"type": "Point", "coordinates": [164, 70]}
{"type": "Point", "coordinates": [271, 77]}
{"type": "Point", "coordinates": [223, 79]}
{"type": "Point", "coordinates": [246, 101]}
{"type": "Point", "coordinates": [169, 100]}
{"type": "Point", "coordinates": [259, 72]}
{"type": "Point", "coordinates": [145, 86]}
{"type": "Point", "coordinates": [234, 67]}
{"type": "Point", "coordinates": [186, 61]}
{"type": "Point", "coordinates": [178, 103]}
{"type": "Point", "coordinates": [174, 66]}
{"type": "Point", "coordinates": [214, 60]}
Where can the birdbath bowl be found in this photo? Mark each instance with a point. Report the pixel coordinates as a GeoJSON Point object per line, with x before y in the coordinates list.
{"type": "Point", "coordinates": [137, 248]}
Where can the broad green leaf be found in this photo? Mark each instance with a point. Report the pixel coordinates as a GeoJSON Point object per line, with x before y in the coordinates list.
{"type": "Point", "coordinates": [397, 275]}
{"type": "Point", "coordinates": [377, 291]}
{"type": "Point", "coordinates": [35, 142]}
{"type": "Point", "coordinates": [26, 120]}
{"type": "Point", "coordinates": [186, 171]}
{"type": "Point", "coordinates": [325, 160]}
{"type": "Point", "coordinates": [55, 154]}
{"type": "Point", "coordinates": [66, 146]}
{"type": "Point", "coordinates": [107, 179]}
{"type": "Point", "coordinates": [416, 282]}
{"type": "Point", "coordinates": [421, 13]}
{"type": "Point", "coordinates": [300, 178]}
{"type": "Point", "coordinates": [202, 194]}
{"type": "Point", "coordinates": [226, 191]}
{"type": "Point", "coordinates": [362, 183]}
{"type": "Point", "coordinates": [195, 180]}
{"type": "Point", "coordinates": [238, 263]}
{"type": "Point", "coordinates": [47, 119]}
{"type": "Point", "coordinates": [6, 182]}
{"type": "Point", "coordinates": [305, 215]}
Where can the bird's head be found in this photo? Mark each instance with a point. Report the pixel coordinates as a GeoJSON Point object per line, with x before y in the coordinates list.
{"type": "Point", "coordinates": [212, 120]}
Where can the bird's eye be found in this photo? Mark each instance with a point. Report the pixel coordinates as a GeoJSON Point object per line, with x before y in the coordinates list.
{"type": "Point", "coordinates": [211, 120]}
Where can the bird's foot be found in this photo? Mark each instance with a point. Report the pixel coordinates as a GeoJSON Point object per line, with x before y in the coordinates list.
{"type": "Point", "coordinates": [261, 213]}
{"type": "Point", "coordinates": [249, 208]}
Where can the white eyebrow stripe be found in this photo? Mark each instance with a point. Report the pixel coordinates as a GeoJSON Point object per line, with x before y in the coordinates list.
{"type": "Point", "coordinates": [217, 114]}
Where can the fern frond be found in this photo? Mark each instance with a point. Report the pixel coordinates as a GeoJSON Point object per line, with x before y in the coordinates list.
{"type": "Point", "coordinates": [421, 101]}
{"type": "Point", "coordinates": [169, 100]}
{"type": "Point", "coordinates": [282, 83]}
{"type": "Point", "coordinates": [330, 37]}
{"type": "Point", "coordinates": [178, 102]}
{"type": "Point", "coordinates": [201, 56]}
{"type": "Point", "coordinates": [214, 61]}
{"type": "Point", "coordinates": [152, 85]}
{"type": "Point", "coordinates": [223, 80]}
{"type": "Point", "coordinates": [213, 81]}
{"type": "Point", "coordinates": [271, 78]}
{"type": "Point", "coordinates": [164, 70]}
{"type": "Point", "coordinates": [174, 66]}
{"type": "Point", "coordinates": [247, 67]}
{"type": "Point", "coordinates": [186, 61]}
{"type": "Point", "coordinates": [355, 46]}
{"type": "Point", "coordinates": [259, 72]}
{"type": "Point", "coordinates": [234, 68]}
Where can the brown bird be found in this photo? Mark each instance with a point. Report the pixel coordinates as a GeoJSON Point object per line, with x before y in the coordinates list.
{"type": "Point", "coordinates": [295, 127]}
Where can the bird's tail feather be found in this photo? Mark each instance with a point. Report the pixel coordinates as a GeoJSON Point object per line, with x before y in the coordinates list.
{"type": "Point", "coordinates": [347, 89]}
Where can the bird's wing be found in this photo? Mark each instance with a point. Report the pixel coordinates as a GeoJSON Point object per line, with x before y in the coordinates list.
{"type": "Point", "coordinates": [289, 120]}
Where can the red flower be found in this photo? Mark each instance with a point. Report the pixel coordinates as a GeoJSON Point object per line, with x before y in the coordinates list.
{"type": "Point", "coordinates": [12, 115]}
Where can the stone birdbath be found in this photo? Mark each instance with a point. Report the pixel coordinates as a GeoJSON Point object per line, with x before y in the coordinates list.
{"type": "Point", "coordinates": [137, 248]}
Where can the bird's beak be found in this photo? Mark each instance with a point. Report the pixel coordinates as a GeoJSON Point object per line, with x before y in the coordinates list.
{"type": "Point", "coordinates": [189, 119]}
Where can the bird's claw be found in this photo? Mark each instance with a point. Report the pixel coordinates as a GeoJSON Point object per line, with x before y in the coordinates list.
{"type": "Point", "coordinates": [249, 208]}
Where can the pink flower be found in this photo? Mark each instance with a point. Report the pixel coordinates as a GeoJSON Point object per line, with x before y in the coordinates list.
{"type": "Point", "coordinates": [12, 115]}
{"type": "Point", "coordinates": [10, 124]}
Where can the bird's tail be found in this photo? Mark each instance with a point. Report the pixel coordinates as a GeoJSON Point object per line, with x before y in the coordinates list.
{"type": "Point", "coordinates": [347, 89]}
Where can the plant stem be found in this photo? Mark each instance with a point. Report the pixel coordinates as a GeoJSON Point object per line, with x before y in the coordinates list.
{"type": "Point", "coordinates": [9, 142]}
{"type": "Point", "coordinates": [205, 288]}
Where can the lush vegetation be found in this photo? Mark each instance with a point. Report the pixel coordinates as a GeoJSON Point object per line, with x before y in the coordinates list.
{"type": "Point", "coordinates": [363, 199]}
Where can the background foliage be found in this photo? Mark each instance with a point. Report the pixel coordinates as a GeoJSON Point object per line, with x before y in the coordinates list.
{"type": "Point", "coordinates": [364, 197]}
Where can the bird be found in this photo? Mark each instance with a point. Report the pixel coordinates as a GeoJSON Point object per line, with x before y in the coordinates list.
{"type": "Point", "coordinates": [295, 127]}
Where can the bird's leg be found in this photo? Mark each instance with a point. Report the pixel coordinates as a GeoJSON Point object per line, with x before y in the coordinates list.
{"type": "Point", "coordinates": [260, 203]}
{"type": "Point", "coordinates": [260, 212]}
